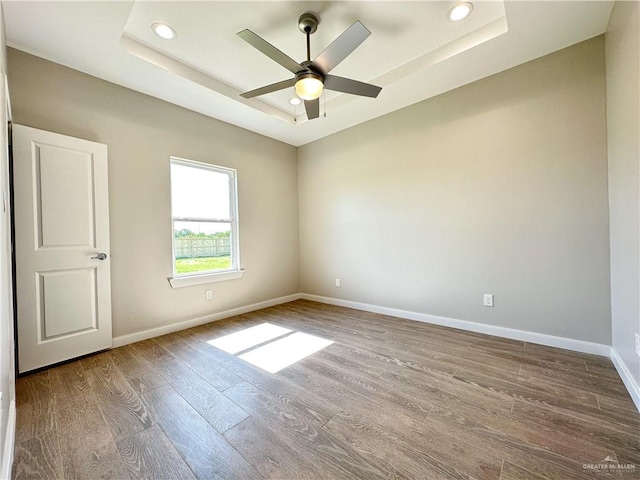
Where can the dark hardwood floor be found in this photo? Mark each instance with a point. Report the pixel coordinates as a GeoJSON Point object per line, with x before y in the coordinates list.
{"type": "Point", "coordinates": [390, 398]}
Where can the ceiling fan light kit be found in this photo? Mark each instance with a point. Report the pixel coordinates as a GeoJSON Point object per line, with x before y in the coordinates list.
{"type": "Point", "coordinates": [309, 86]}
{"type": "Point", "coordinates": [311, 78]}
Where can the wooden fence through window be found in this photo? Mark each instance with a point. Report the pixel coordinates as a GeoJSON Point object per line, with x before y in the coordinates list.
{"type": "Point", "coordinates": [202, 247]}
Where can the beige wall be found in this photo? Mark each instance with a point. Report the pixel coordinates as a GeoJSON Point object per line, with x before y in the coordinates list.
{"type": "Point", "coordinates": [7, 370]}
{"type": "Point", "coordinates": [141, 133]}
{"type": "Point", "coordinates": [496, 187]}
{"type": "Point", "coordinates": [623, 124]}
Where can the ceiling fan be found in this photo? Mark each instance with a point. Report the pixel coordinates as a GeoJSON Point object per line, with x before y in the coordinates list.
{"type": "Point", "coordinates": [312, 77]}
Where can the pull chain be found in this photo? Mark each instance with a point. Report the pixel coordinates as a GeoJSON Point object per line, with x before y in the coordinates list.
{"type": "Point", "coordinates": [324, 104]}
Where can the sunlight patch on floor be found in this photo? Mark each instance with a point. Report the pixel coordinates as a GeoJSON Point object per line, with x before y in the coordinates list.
{"type": "Point", "coordinates": [286, 351]}
{"type": "Point", "coordinates": [275, 347]}
{"type": "Point", "coordinates": [249, 337]}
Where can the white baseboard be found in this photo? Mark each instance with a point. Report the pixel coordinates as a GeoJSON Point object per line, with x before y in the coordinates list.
{"type": "Point", "coordinates": [175, 327]}
{"type": "Point", "coordinates": [627, 377]}
{"type": "Point", "coordinates": [9, 438]}
{"type": "Point", "coordinates": [531, 337]}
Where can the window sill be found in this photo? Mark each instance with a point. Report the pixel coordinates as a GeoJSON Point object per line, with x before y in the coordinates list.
{"type": "Point", "coordinates": [190, 280]}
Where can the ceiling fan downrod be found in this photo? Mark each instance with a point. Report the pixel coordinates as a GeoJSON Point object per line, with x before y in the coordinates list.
{"type": "Point", "coordinates": [308, 24]}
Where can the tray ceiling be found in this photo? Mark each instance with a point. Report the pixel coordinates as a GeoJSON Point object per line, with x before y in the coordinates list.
{"type": "Point", "coordinates": [414, 52]}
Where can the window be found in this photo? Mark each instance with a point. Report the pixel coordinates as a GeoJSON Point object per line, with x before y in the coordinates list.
{"type": "Point", "coordinates": [205, 223]}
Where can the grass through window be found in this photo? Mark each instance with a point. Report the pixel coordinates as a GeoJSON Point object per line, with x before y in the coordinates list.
{"type": "Point", "coordinates": [203, 264]}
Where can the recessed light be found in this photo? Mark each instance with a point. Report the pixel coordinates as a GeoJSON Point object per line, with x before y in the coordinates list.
{"type": "Point", "coordinates": [295, 101]}
{"type": "Point", "coordinates": [163, 31]}
{"type": "Point", "coordinates": [460, 11]}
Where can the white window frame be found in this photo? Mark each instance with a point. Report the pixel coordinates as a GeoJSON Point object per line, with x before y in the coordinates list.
{"type": "Point", "coordinates": [234, 272]}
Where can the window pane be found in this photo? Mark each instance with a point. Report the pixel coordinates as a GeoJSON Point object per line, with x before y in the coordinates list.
{"type": "Point", "coordinates": [199, 193]}
{"type": "Point", "coordinates": [201, 247]}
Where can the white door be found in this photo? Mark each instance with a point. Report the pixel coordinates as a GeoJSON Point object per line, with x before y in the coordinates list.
{"type": "Point", "coordinates": [62, 247]}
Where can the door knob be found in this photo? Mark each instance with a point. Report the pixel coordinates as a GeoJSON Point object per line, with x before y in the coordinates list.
{"type": "Point", "coordinates": [100, 256]}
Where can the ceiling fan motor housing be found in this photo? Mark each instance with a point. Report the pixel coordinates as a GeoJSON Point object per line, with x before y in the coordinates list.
{"type": "Point", "coordinates": [309, 67]}
{"type": "Point", "coordinates": [308, 23]}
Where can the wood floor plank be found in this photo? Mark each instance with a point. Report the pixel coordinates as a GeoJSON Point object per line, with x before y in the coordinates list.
{"type": "Point", "coordinates": [120, 405]}
{"type": "Point", "coordinates": [150, 454]}
{"type": "Point", "coordinates": [269, 455]}
{"type": "Point", "coordinates": [32, 387]}
{"type": "Point", "coordinates": [342, 331]}
{"type": "Point", "coordinates": [571, 365]}
{"type": "Point", "coordinates": [334, 457]}
{"type": "Point", "coordinates": [86, 445]}
{"type": "Point", "coordinates": [152, 352]}
{"type": "Point", "coordinates": [34, 406]}
{"type": "Point", "coordinates": [621, 408]}
{"type": "Point", "coordinates": [522, 387]}
{"type": "Point", "coordinates": [384, 362]}
{"type": "Point", "coordinates": [37, 457]}
{"type": "Point", "coordinates": [495, 435]}
{"type": "Point", "coordinates": [424, 454]}
{"type": "Point", "coordinates": [436, 387]}
{"type": "Point", "coordinates": [214, 407]}
{"type": "Point", "coordinates": [166, 340]}
{"type": "Point", "coordinates": [221, 328]}
{"type": "Point", "coordinates": [207, 453]}
{"type": "Point", "coordinates": [214, 373]}
{"type": "Point", "coordinates": [339, 396]}
{"type": "Point", "coordinates": [95, 360]}
{"type": "Point", "coordinates": [624, 441]}
{"type": "Point", "coordinates": [554, 354]}
{"type": "Point", "coordinates": [513, 472]}
{"type": "Point", "coordinates": [462, 420]}
{"type": "Point", "coordinates": [298, 397]}
{"type": "Point", "coordinates": [579, 448]}
{"type": "Point", "coordinates": [591, 383]}
{"type": "Point", "coordinates": [495, 358]}
{"type": "Point", "coordinates": [67, 380]}
{"type": "Point", "coordinates": [380, 392]}
{"type": "Point", "coordinates": [448, 447]}
{"type": "Point", "coordinates": [140, 374]}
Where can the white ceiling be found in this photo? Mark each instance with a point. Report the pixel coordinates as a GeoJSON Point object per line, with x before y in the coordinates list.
{"type": "Point", "coordinates": [414, 52]}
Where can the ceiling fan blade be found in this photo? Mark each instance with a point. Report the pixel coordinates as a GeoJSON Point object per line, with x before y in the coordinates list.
{"type": "Point", "coordinates": [341, 47]}
{"type": "Point", "coordinates": [270, 51]}
{"type": "Point", "coordinates": [346, 85]}
{"type": "Point", "coordinates": [274, 87]}
{"type": "Point", "coordinates": [312, 107]}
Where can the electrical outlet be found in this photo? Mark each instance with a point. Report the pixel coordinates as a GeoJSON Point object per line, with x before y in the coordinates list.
{"type": "Point", "coordinates": [208, 295]}
{"type": "Point", "coordinates": [337, 282]}
{"type": "Point", "coordinates": [638, 344]}
{"type": "Point", "coordinates": [487, 300]}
